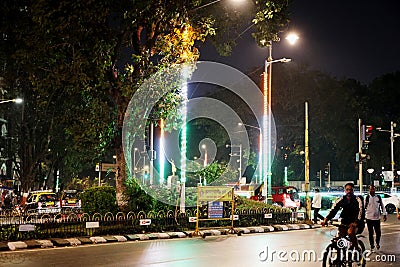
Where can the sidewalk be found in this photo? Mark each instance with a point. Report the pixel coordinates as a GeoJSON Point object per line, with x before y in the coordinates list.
{"type": "Point", "coordinates": [61, 242]}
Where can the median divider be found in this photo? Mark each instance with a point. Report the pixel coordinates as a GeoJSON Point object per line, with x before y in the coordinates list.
{"type": "Point", "coordinates": [61, 242]}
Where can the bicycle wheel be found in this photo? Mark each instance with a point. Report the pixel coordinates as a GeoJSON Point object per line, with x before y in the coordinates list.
{"type": "Point", "coordinates": [359, 257]}
{"type": "Point", "coordinates": [332, 257]}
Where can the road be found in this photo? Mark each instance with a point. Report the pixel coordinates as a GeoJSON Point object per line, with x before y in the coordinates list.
{"type": "Point", "coordinates": [265, 249]}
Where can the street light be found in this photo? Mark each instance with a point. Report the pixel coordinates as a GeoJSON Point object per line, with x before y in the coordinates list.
{"type": "Point", "coordinates": [260, 154]}
{"type": "Point", "coordinates": [267, 119]}
{"type": "Point", "coordinates": [213, 2]}
{"type": "Point", "coordinates": [393, 135]}
{"type": "Point", "coordinates": [370, 171]}
{"type": "Point", "coordinates": [15, 100]}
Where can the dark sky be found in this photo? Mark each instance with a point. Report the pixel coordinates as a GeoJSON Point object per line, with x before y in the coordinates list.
{"type": "Point", "coordinates": [345, 38]}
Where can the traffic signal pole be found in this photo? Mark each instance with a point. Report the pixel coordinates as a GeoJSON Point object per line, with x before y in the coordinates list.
{"type": "Point", "coordinates": [360, 178]}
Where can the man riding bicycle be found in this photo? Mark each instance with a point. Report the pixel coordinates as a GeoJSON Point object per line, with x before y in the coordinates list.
{"type": "Point", "coordinates": [352, 213]}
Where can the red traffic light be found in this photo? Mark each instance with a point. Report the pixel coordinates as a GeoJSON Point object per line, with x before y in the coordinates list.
{"type": "Point", "coordinates": [367, 131]}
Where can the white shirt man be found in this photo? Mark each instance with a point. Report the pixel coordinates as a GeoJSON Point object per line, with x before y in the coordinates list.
{"type": "Point", "coordinates": [373, 204]}
{"type": "Point", "coordinates": [316, 205]}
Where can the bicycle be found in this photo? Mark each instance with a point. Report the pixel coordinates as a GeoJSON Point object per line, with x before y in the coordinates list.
{"type": "Point", "coordinates": [339, 252]}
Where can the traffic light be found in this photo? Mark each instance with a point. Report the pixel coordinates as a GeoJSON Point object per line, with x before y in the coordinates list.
{"type": "Point", "coordinates": [327, 169]}
{"type": "Point", "coordinates": [366, 132]}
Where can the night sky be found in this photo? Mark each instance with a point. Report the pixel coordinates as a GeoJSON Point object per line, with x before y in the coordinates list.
{"type": "Point", "coordinates": [345, 38]}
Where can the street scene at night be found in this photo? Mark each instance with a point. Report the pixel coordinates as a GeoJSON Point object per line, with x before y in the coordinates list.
{"type": "Point", "coordinates": [199, 132]}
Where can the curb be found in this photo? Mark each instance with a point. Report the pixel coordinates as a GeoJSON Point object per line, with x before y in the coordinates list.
{"type": "Point", "coordinates": [64, 242]}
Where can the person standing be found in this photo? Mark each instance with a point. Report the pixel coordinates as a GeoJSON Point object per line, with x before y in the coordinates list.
{"type": "Point", "coordinates": [373, 204]}
{"type": "Point", "coordinates": [316, 205]}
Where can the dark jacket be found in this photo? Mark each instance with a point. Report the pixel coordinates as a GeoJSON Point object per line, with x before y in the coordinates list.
{"type": "Point", "coordinates": [352, 210]}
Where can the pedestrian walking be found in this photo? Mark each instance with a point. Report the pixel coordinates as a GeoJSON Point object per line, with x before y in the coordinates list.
{"type": "Point", "coordinates": [373, 208]}
{"type": "Point", "coordinates": [316, 205]}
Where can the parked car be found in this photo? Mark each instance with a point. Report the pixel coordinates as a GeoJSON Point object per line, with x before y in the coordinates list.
{"type": "Point", "coordinates": [70, 200]}
{"type": "Point", "coordinates": [43, 202]}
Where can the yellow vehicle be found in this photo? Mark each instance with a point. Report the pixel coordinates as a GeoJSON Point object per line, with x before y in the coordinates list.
{"type": "Point", "coordinates": [43, 202]}
{"type": "Point", "coordinates": [70, 200]}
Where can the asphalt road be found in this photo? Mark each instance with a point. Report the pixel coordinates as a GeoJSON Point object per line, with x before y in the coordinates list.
{"type": "Point", "coordinates": [284, 248]}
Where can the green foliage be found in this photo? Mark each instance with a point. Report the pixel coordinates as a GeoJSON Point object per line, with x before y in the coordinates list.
{"type": "Point", "coordinates": [136, 198]}
{"type": "Point", "coordinates": [246, 204]}
{"type": "Point", "coordinates": [101, 199]}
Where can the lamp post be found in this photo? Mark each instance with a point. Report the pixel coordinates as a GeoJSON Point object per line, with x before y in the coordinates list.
{"type": "Point", "coordinates": [8, 163]}
{"type": "Point", "coordinates": [393, 135]}
{"type": "Point", "coordinates": [134, 161]}
{"type": "Point", "coordinates": [370, 171]}
{"type": "Point", "coordinates": [15, 100]}
{"type": "Point", "coordinates": [267, 119]}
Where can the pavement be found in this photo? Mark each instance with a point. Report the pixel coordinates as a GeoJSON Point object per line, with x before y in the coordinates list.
{"type": "Point", "coordinates": [79, 241]}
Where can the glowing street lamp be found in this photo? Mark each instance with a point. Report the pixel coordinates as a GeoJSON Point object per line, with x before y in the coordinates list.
{"type": "Point", "coordinates": [370, 171]}
{"type": "Point", "coordinates": [214, 2]}
{"type": "Point", "coordinates": [15, 100]}
{"type": "Point", "coordinates": [267, 119]}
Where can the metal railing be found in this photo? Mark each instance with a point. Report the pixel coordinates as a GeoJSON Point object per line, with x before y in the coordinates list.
{"type": "Point", "coordinates": [34, 226]}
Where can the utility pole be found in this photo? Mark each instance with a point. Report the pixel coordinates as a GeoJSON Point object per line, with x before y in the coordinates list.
{"type": "Point", "coordinates": [307, 166]}
{"type": "Point", "coordinates": [392, 125]}
{"type": "Point", "coordinates": [360, 178]}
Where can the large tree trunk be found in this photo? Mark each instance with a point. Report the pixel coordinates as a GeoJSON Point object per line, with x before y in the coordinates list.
{"type": "Point", "coordinates": [120, 177]}
{"type": "Point", "coordinates": [121, 172]}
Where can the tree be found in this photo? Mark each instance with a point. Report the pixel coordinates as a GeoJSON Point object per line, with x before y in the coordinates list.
{"type": "Point", "coordinates": [90, 57]}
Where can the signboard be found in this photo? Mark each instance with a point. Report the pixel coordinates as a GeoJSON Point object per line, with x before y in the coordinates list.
{"type": "Point", "coordinates": [192, 219]}
{"type": "Point", "coordinates": [215, 209]}
{"type": "Point", "coordinates": [388, 176]}
{"type": "Point", "coordinates": [26, 227]}
{"type": "Point", "coordinates": [92, 224]}
{"type": "Point", "coordinates": [108, 167]}
{"type": "Point", "coordinates": [235, 217]}
{"type": "Point", "coordinates": [268, 215]}
{"type": "Point", "coordinates": [145, 221]}
{"type": "Point", "coordinates": [213, 193]}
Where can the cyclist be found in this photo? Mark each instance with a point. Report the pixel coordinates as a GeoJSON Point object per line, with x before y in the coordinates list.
{"type": "Point", "coordinates": [352, 213]}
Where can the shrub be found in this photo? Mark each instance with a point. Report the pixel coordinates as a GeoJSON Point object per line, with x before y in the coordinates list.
{"type": "Point", "coordinates": [101, 199]}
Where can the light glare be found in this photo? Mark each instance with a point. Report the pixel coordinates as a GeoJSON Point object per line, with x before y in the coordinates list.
{"type": "Point", "coordinates": [292, 38]}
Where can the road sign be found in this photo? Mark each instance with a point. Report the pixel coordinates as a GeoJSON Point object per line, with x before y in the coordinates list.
{"type": "Point", "coordinates": [192, 219]}
{"type": "Point", "coordinates": [215, 209]}
{"type": "Point", "coordinates": [108, 167]}
{"type": "Point", "coordinates": [215, 193]}
{"type": "Point", "coordinates": [145, 221]}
